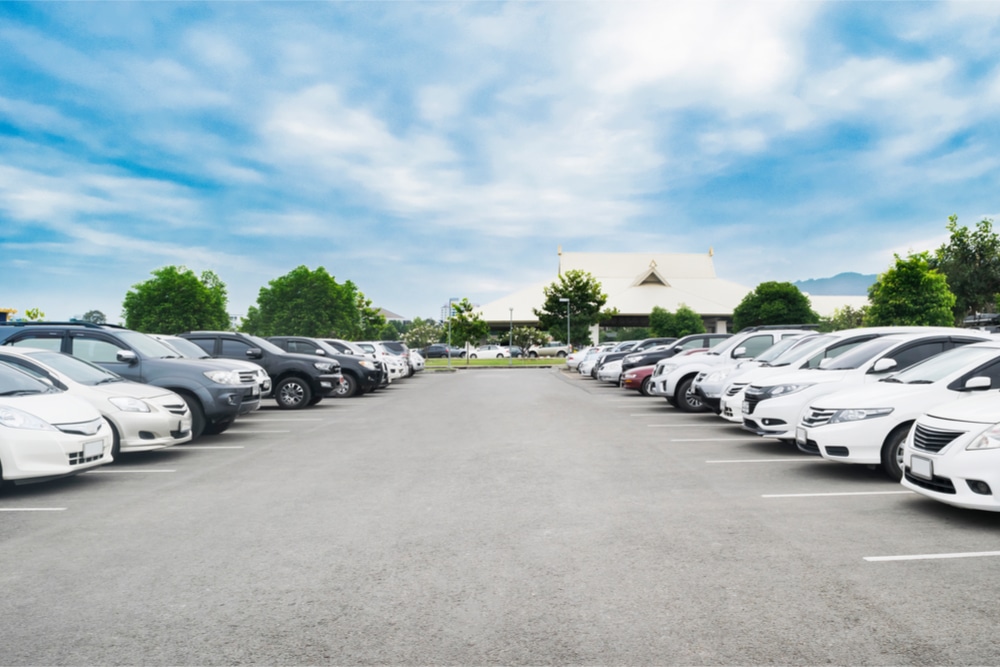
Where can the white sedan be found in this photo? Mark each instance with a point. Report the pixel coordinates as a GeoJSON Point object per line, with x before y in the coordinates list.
{"type": "Point", "coordinates": [143, 417]}
{"type": "Point", "coordinates": [490, 352]}
{"type": "Point", "coordinates": [45, 433]}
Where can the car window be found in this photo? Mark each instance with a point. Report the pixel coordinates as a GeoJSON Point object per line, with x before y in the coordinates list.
{"type": "Point", "coordinates": [992, 371]}
{"type": "Point", "coordinates": [694, 343]}
{"type": "Point", "coordinates": [47, 343]}
{"type": "Point", "coordinates": [832, 352]}
{"type": "Point", "coordinates": [755, 345]}
{"type": "Point", "coordinates": [96, 350]}
{"type": "Point", "coordinates": [908, 356]}
{"type": "Point", "coordinates": [234, 348]}
{"type": "Point", "coordinates": [860, 354]}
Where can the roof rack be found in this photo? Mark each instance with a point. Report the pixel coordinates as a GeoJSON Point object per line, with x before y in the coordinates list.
{"type": "Point", "coordinates": [763, 327]}
{"type": "Point", "coordinates": [77, 323]}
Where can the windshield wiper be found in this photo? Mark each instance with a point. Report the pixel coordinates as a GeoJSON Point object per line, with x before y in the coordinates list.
{"type": "Point", "coordinates": [891, 380]}
{"type": "Point", "coordinates": [109, 379]}
{"type": "Point", "coordinates": [921, 382]}
{"type": "Point", "coordinates": [23, 392]}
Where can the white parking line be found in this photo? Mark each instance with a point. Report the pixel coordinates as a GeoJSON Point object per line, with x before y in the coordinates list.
{"type": "Point", "coordinates": [802, 458]}
{"type": "Point", "coordinates": [207, 447]}
{"type": "Point", "coordinates": [970, 554]}
{"type": "Point", "coordinates": [280, 419]}
{"type": "Point", "coordinates": [256, 432]}
{"type": "Point", "coordinates": [32, 509]}
{"type": "Point", "coordinates": [681, 425]}
{"type": "Point", "coordinates": [709, 439]}
{"type": "Point", "coordinates": [119, 470]}
{"type": "Point", "coordinates": [827, 495]}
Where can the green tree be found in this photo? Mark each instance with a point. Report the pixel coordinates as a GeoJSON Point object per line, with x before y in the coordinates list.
{"type": "Point", "coordinates": [388, 332]}
{"type": "Point", "coordinates": [525, 337]}
{"type": "Point", "coordinates": [306, 302]}
{"type": "Point", "coordinates": [422, 333]}
{"type": "Point", "coordinates": [94, 317]}
{"type": "Point", "coordinates": [34, 314]}
{"type": "Point", "coordinates": [687, 322]}
{"type": "Point", "coordinates": [844, 318]}
{"type": "Point", "coordinates": [971, 263]}
{"type": "Point", "coordinates": [774, 303]}
{"type": "Point", "coordinates": [911, 293]}
{"type": "Point", "coordinates": [176, 300]}
{"type": "Point", "coordinates": [583, 308]}
{"type": "Point", "coordinates": [466, 325]}
{"type": "Point", "coordinates": [661, 323]}
{"type": "Point", "coordinates": [372, 321]}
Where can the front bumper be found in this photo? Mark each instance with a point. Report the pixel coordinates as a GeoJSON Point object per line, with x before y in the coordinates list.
{"type": "Point", "coordinates": [37, 456]}
{"type": "Point", "coordinates": [955, 474]}
{"type": "Point", "coordinates": [168, 424]}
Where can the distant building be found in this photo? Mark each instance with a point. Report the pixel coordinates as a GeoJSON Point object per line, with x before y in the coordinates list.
{"type": "Point", "coordinates": [391, 316]}
{"type": "Point", "coordinates": [637, 282]}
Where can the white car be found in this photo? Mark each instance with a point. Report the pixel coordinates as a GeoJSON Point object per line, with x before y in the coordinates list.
{"type": "Point", "coordinates": [610, 371]}
{"type": "Point", "coordinates": [574, 358]}
{"type": "Point", "coordinates": [773, 407]}
{"type": "Point", "coordinates": [45, 433]}
{"type": "Point", "coordinates": [490, 352]}
{"type": "Point", "coordinates": [397, 367]}
{"type": "Point", "coordinates": [868, 425]}
{"type": "Point", "coordinates": [591, 358]}
{"type": "Point", "coordinates": [673, 377]}
{"type": "Point", "coordinates": [417, 361]}
{"type": "Point", "coordinates": [143, 417]}
{"type": "Point", "coordinates": [188, 350]}
{"type": "Point", "coordinates": [952, 454]}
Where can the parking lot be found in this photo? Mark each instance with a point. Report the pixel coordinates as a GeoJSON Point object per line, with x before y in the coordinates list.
{"type": "Point", "coordinates": [494, 516]}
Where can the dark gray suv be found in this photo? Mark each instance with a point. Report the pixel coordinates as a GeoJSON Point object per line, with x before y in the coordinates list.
{"type": "Point", "coordinates": [215, 393]}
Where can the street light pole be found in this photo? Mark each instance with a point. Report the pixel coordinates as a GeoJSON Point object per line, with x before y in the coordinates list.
{"type": "Point", "coordinates": [510, 341]}
{"type": "Point", "coordinates": [568, 342]}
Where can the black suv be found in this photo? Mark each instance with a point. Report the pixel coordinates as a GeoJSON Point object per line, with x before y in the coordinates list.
{"type": "Point", "coordinates": [215, 393]}
{"type": "Point", "coordinates": [361, 374]}
{"type": "Point", "coordinates": [297, 380]}
{"type": "Point", "coordinates": [649, 356]}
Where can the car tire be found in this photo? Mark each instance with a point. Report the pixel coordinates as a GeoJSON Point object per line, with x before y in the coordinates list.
{"type": "Point", "coordinates": [644, 387]}
{"type": "Point", "coordinates": [197, 415]}
{"type": "Point", "coordinates": [347, 388]}
{"type": "Point", "coordinates": [499, 356]}
{"type": "Point", "coordinates": [533, 355]}
{"type": "Point", "coordinates": [472, 356]}
{"type": "Point", "coordinates": [687, 400]}
{"type": "Point", "coordinates": [892, 453]}
{"type": "Point", "coordinates": [116, 441]}
{"type": "Point", "coordinates": [292, 394]}
{"type": "Point", "coordinates": [315, 399]}
{"type": "Point", "coordinates": [561, 354]}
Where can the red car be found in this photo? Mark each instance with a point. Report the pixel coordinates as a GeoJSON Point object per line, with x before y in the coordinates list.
{"type": "Point", "coordinates": [638, 379]}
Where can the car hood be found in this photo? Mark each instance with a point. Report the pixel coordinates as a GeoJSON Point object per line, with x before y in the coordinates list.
{"type": "Point", "coordinates": [804, 377]}
{"type": "Point", "coordinates": [885, 395]}
{"type": "Point", "coordinates": [58, 408]}
{"type": "Point", "coordinates": [126, 388]}
{"type": "Point", "coordinates": [983, 409]}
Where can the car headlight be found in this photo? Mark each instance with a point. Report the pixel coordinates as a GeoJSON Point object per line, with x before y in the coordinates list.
{"type": "Point", "coordinates": [129, 404]}
{"type": "Point", "coordinates": [988, 439]}
{"type": "Point", "coordinates": [858, 414]}
{"type": "Point", "coordinates": [715, 376]}
{"type": "Point", "coordinates": [367, 364]}
{"type": "Point", "coordinates": [665, 368]}
{"type": "Point", "coordinates": [13, 418]}
{"type": "Point", "coordinates": [223, 377]}
{"type": "Point", "coordinates": [324, 366]}
{"type": "Point", "coordinates": [784, 389]}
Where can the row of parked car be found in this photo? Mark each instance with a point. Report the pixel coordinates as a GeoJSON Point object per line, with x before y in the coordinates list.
{"type": "Point", "coordinates": [75, 395]}
{"type": "Point", "coordinates": [920, 403]}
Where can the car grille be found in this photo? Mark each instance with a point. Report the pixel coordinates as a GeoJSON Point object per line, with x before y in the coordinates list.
{"type": "Point", "coordinates": [76, 458]}
{"type": "Point", "coordinates": [176, 408]}
{"type": "Point", "coordinates": [248, 376]}
{"type": "Point", "coordinates": [817, 417]}
{"type": "Point", "coordinates": [810, 447]}
{"type": "Point", "coordinates": [736, 388]}
{"type": "Point", "coordinates": [751, 401]}
{"type": "Point", "coordinates": [81, 428]}
{"type": "Point", "coordinates": [932, 440]}
{"type": "Point", "coordinates": [939, 484]}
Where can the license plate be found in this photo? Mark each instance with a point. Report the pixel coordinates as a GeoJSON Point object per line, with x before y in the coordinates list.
{"type": "Point", "coordinates": [800, 435]}
{"type": "Point", "coordinates": [746, 407]}
{"type": "Point", "coordinates": [921, 467]}
{"type": "Point", "coordinates": [255, 391]}
{"type": "Point", "coordinates": [93, 448]}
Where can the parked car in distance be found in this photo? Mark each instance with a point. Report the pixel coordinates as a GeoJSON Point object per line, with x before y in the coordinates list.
{"type": "Point", "coordinates": [142, 417]}
{"type": "Point", "coordinates": [489, 352]}
{"type": "Point", "coordinates": [298, 380]}
{"type": "Point", "coordinates": [360, 374]}
{"type": "Point", "coordinates": [215, 393]}
{"type": "Point", "coordinates": [442, 351]}
{"type": "Point", "coordinates": [554, 349]}
{"type": "Point", "coordinates": [648, 356]}
{"type": "Point", "coordinates": [638, 378]}
{"type": "Point", "coordinates": [45, 433]}
{"type": "Point", "coordinates": [515, 350]}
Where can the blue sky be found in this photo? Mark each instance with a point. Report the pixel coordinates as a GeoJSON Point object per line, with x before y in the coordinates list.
{"type": "Point", "coordinates": [428, 150]}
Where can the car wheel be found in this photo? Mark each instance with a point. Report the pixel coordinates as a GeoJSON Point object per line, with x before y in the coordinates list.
{"type": "Point", "coordinates": [472, 356]}
{"type": "Point", "coordinates": [561, 354]}
{"type": "Point", "coordinates": [687, 400]}
{"type": "Point", "coordinates": [499, 356]}
{"type": "Point", "coordinates": [219, 427]}
{"type": "Point", "coordinates": [116, 441]}
{"type": "Point", "coordinates": [533, 355]}
{"type": "Point", "coordinates": [315, 399]}
{"type": "Point", "coordinates": [197, 415]}
{"type": "Point", "coordinates": [292, 394]}
{"type": "Point", "coordinates": [644, 387]}
{"type": "Point", "coordinates": [347, 388]}
{"type": "Point", "coordinates": [892, 453]}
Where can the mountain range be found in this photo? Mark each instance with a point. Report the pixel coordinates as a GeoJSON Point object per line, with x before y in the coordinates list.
{"type": "Point", "coordinates": [842, 284]}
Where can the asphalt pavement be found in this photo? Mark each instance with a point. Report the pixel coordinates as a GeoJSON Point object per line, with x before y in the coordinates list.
{"type": "Point", "coordinates": [491, 517]}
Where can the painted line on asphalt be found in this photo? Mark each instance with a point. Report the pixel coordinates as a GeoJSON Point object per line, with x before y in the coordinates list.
{"type": "Point", "coordinates": [280, 419]}
{"type": "Point", "coordinates": [680, 425]}
{"type": "Point", "coordinates": [256, 432]}
{"type": "Point", "coordinates": [708, 440]}
{"type": "Point", "coordinates": [207, 447]}
{"type": "Point", "coordinates": [32, 509]}
{"type": "Point", "coordinates": [969, 554]}
{"type": "Point", "coordinates": [803, 458]}
{"type": "Point", "coordinates": [110, 472]}
{"type": "Point", "coordinates": [828, 495]}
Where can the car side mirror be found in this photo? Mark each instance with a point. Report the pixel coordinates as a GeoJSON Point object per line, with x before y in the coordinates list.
{"type": "Point", "coordinates": [740, 352]}
{"type": "Point", "coordinates": [127, 356]}
{"type": "Point", "coordinates": [254, 353]}
{"type": "Point", "coordinates": [883, 365]}
{"type": "Point", "coordinates": [320, 351]}
{"type": "Point", "coordinates": [978, 383]}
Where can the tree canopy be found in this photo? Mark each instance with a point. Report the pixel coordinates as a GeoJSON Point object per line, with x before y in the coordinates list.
{"type": "Point", "coordinates": [583, 308]}
{"type": "Point", "coordinates": [685, 321]}
{"type": "Point", "coordinates": [774, 303]}
{"type": "Point", "coordinates": [94, 316]}
{"type": "Point", "coordinates": [970, 262]}
{"type": "Point", "coordinates": [306, 302]}
{"type": "Point", "coordinates": [176, 300]}
{"type": "Point", "coordinates": [911, 293]}
{"type": "Point", "coordinates": [466, 325]}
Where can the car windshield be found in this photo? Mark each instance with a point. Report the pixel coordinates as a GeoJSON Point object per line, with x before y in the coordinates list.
{"type": "Point", "coordinates": [800, 348]}
{"type": "Point", "coordinates": [146, 345]}
{"type": "Point", "coordinates": [942, 365]}
{"type": "Point", "coordinates": [15, 382]}
{"type": "Point", "coordinates": [76, 369]}
{"type": "Point", "coordinates": [186, 348]}
{"type": "Point", "coordinates": [860, 355]}
{"type": "Point", "coordinates": [779, 348]}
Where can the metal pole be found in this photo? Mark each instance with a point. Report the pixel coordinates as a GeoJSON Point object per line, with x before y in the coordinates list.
{"type": "Point", "coordinates": [510, 341]}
